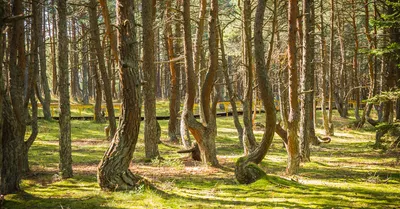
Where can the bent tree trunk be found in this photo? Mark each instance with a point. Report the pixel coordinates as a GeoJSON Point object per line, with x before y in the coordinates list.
{"type": "Point", "coordinates": [246, 169]}
{"type": "Point", "coordinates": [204, 133]}
{"type": "Point", "coordinates": [113, 171]}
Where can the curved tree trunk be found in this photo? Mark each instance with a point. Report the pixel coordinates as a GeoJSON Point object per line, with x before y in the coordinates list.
{"type": "Point", "coordinates": [95, 38]}
{"type": "Point", "coordinates": [65, 114]}
{"type": "Point", "coordinates": [203, 133]}
{"type": "Point", "coordinates": [149, 88]}
{"type": "Point", "coordinates": [246, 169]}
{"type": "Point", "coordinates": [113, 171]}
{"type": "Point", "coordinates": [293, 122]}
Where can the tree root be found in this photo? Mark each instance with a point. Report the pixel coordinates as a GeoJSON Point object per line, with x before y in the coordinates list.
{"type": "Point", "coordinates": [248, 172]}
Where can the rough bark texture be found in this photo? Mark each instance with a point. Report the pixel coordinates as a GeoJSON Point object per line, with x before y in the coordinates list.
{"type": "Point", "coordinates": [149, 88]}
{"type": "Point", "coordinates": [2, 93]}
{"type": "Point", "coordinates": [249, 141]}
{"type": "Point", "coordinates": [293, 122]}
{"type": "Point", "coordinates": [307, 131]}
{"type": "Point", "coordinates": [113, 171]}
{"type": "Point", "coordinates": [74, 62]}
{"type": "Point", "coordinates": [14, 112]}
{"type": "Point", "coordinates": [246, 169]}
{"type": "Point", "coordinates": [95, 38]}
{"type": "Point", "coordinates": [37, 13]}
{"type": "Point", "coordinates": [203, 133]}
{"type": "Point", "coordinates": [65, 165]}
{"type": "Point", "coordinates": [54, 54]}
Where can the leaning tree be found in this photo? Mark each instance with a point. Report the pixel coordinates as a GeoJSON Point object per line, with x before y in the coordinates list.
{"type": "Point", "coordinates": [246, 169]}
{"type": "Point", "coordinates": [113, 171]}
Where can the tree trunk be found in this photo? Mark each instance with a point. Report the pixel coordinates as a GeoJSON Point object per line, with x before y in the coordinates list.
{"type": "Point", "coordinates": [65, 114]}
{"type": "Point", "coordinates": [246, 169]}
{"type": "Point", "coordinates": [85, 68]}
{"type": "Point", "coordinates": [53, 48]}
{"type": "Point", "coordinates": [95, 38]}
{"type": "Point", "coordinates": [293, 144]}
{"type": "Point", "coordinates": [371, 92]}
{"type": "Point", "coordinates": [226, 65]}
{"type": "Point", "coordinates": [37, 13]}
{"type": "Point", "coordinates": [307, 132]}
{"type": "Point", "coordinates": [355, 61]}
{"type": "Point", "coordinates": [204, 134]}
{"type": "Point", "coordinates": [2, 92]}
{"type": "Point", "coordinates": [198, 49]}
{"type": "Point", "coordinates": [149, 88]}
{"type": "Point", "coordinates": [249, 141]}
{"type": "Point", "coordinates": [324, 74]}
{"type": "Point", "coordinates": [14, 111]}
{"type": "Point", "coordinates": [113, 171]}
{"type": "Point", "coordinates": [331, 75]}
{"type": "Point", "coordinates": [174, 99]}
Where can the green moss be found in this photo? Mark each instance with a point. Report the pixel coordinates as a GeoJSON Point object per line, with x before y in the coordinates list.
{"type": "Point", "coordinates": [347, 173]}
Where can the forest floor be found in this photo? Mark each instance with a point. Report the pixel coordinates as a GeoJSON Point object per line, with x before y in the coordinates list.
{"type": "Point", "coordinates": [347, 173]}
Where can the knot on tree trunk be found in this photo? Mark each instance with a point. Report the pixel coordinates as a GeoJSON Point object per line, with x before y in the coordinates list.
{"type": "Point", "coordinates": [248, 172]}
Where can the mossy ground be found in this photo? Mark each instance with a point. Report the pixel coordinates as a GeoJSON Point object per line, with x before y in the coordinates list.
{"type": "Point", "coordinates": [347, 173]}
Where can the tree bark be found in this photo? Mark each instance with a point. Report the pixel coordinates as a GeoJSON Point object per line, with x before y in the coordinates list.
{"type": "Point", "coordinates": [37, 13]}
{"type": "Point", "coordinates": [307, 131]}
{"type": "Point", "coordinates": [149, 88]}
{"type": "Point", "coordinates": [331, 75]}
{"type": "Point", "coordinates": [371, 92]}
{"type": "Point", "coordinates": [174, 99]}
{"type": "Point", "coordinates": [203, 133]}
{"type": "Point", "coordinates": [95, 38]}
{"type": "Point", "coordinates": [293, 122]}
{"type": "Point", "coordinates": [14, 111]}
{"type": "Point", "coordinates": [85, 68]}
{"type": "Point", "coordinates": [113, 171]}
{"type": "Point", "coordinates": [355, 61]}
{"type": "Point", "coordinates": [246, 169]}
{"type": "Point", "coordinates": [2, 92]}
{"type": "Point", "coordinates": [65, 114]}
{"type": "Point", "coordinates": [53, 48]}
{"type": "Point", "coordinates": [249, 141]}
{"type": "Point", "coordinates": [324, 74]}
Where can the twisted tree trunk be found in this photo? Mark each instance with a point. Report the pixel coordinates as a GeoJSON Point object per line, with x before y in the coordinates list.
{"type": "Point", "coordinates": [113, 171]}
{"type": "Point", "coordinates": [246, 169]}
